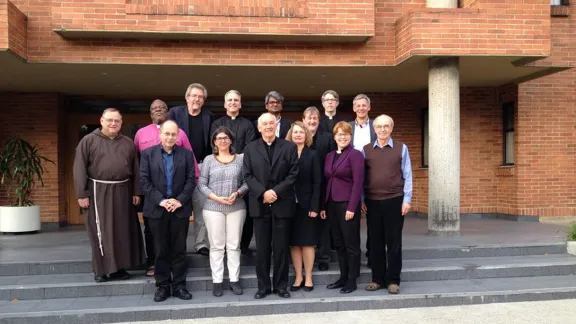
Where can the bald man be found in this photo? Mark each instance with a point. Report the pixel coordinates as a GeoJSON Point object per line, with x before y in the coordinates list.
{"type": "Point", "coordinates": [168, 194]}
{"type": "Point", "coordinates": [146, 137]}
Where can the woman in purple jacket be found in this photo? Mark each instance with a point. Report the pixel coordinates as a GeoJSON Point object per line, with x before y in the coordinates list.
{"type": "Point", "coordinates": [344, 172]}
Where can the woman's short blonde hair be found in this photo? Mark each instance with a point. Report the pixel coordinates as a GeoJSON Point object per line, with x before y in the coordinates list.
{"type": "Point", "coordinates": [307, 137]}
{"type": "Point", "coordinates": [344, 126]}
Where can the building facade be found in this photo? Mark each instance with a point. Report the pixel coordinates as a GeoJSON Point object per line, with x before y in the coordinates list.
{"type": "Point", "coordinates": [482, 91]}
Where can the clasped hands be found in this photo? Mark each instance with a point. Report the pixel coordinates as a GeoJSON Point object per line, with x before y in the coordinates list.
{"type": "Point", "coordinates": [269, 196]}
{"type": "Point", "coordinates": [226, 200]}
{"type": "Point", "coordinates": [170, 204]}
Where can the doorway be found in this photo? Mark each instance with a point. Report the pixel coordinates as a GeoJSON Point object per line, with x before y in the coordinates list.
{"type": "Point", "coordinates": [78, 126]}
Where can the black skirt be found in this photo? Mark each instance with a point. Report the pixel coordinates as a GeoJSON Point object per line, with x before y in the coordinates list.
{"type": "Point", "coordinates": [304, 231]}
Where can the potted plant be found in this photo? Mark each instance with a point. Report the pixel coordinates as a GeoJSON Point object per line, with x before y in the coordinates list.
{"type": "Point", "coordinates": [21, 166]}
{"type": "Point", "coordinates": [571, 243]}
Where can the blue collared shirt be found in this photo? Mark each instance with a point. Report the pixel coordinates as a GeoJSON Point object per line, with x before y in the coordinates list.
{"type": "Point", "coordinates": [406, 168]}
{"type": "Point", "coordinates": [168, 160]}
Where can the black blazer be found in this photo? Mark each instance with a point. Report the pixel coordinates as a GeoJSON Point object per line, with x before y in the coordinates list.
{"type": "Point", "coordinates": [309, 180]}
{"type": "Point", "coordinates": [284, 128]}
{"type": "Point", "coordinates": [179, 114]}
{"type": "Point", "coordinates": [323, 125]}
{"type": "Point", "coordinates": [153, 181]}
{"type": "Point", "coordinates": [324, 144]}
{"type": "Point", "coordinates": [261, 174]}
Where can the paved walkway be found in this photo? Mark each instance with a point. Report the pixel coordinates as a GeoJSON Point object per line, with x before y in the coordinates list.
{"type": "Point", "coordinates": [71, 243]}
{"type": "Point", "coordinates": [546, 312]}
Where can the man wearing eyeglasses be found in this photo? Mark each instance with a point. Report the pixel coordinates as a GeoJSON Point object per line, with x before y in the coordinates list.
{"type": "Point", "coordinates": [107, 183]}
{"type": "Point", "coordinates": [196, 122]}
{"type": "Point", "coordinates": [330, 101]}
{"type": "Point", "coordinates": [274, 101]}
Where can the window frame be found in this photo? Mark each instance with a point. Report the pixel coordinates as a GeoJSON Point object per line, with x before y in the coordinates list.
{"type": "Point", "coordinates": [508, 111]}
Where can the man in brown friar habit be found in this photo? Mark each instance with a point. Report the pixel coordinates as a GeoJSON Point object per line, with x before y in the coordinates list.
{"type": "Point", "coordinates": [106, 178]}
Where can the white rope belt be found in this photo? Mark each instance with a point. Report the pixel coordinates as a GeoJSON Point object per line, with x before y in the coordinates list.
{"type": "Point", "coordinates": [98, 231]}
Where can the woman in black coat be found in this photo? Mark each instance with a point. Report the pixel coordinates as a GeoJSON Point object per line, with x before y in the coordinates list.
{"type": "Point", "coordinates": [308, 186]}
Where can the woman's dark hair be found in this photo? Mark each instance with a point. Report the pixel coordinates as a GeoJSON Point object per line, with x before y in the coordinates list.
{"type": "Point", "coordinates": [228, 132]}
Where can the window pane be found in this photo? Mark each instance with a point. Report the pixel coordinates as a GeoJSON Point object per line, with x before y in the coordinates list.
{"type": "Point", "coordinates": [509, 154]}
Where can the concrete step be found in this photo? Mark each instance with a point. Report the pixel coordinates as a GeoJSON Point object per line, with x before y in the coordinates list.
{"type": "Point", "coordinates": [88, 310]}
{"type": "Point", "coordinates": [199, 279]}
{"type": "Point", "coordinates": [198, 261]}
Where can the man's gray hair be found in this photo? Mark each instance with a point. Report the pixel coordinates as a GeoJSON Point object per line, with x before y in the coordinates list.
{"type": "Point", "coordinates": [196, 86]}
{"type": "Point", "coordinates": [110, 110]}
{"type": "Point", "coordinates": [264, 115]}
{"type": "Point", "coordinates": [360, 97]}
{"type": "Point", "coordinates": [273, 94]}
{"type": "Point", "coordinates": [332, 92]}
{"type": "Point", "coordinates": [311, 110]}
{"type": "Point", "coordinates": [236, 92]}
{"type": "Point", "coordinates": [386, 117]}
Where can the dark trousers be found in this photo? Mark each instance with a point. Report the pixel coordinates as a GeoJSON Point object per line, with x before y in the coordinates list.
{"type": "Point", "coordinates": [248, 228]}
{"type": "Point", "coordinates": [148, 237]}
{"type": "Point", "coordinates": [272, 237]}
{"type": "Point", "coordinates": [346, 236]}
{"type": "Point", "coordinates": [324, 245]}
{"type": "Point", "coordinates": [170, 244]}
{"type": "Point", "coordinates": [149, 241]}
{"type": "Point", "coordinates": [385, 224]}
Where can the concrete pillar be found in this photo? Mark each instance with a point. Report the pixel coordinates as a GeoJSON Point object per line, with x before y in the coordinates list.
{"type": "Point", "coordinates": [444, 146]}
{"type": "Point", "coordinates": [442, 3]}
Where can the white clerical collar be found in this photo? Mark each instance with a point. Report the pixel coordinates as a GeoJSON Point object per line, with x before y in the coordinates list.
{"type": "Point", "coordinates": [157, 126]}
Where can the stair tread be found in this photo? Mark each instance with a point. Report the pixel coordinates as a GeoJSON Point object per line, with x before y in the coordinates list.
{"type": "Point", "coordinates": [80, 279]}
{"type": "Point", "coordinates": [204, 299]}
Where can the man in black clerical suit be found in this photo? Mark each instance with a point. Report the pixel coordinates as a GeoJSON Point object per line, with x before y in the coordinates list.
{"type": "Point", "coordinates": [330, 101]}
{"type": "Point", "coordinates": [322, 143]}
{"type": "Point", "coordinates": [270, 170]}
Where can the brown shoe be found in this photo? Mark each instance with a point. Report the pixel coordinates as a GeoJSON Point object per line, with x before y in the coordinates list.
{"type": "Point", "coordinates": [373, 286]}
{"type": "Point", "coordinates": [393, 289]}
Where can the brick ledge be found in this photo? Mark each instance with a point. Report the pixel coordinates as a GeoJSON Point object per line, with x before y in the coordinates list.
{"type": "Point", "coordinates": [72, 34]}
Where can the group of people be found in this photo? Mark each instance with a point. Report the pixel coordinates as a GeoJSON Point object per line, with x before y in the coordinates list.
{"type": "Point", "coordinates": [299, 187]}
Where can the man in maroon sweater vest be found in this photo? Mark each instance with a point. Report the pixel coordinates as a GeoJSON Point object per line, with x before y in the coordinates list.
{"type": "Point", "coordinates": [388, 192]}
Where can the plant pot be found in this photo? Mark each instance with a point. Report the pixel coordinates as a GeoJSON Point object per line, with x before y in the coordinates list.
{"type": "Point", "coordinates": [19, 219]}
{"type": "Point", "coordinates": [571, 247]}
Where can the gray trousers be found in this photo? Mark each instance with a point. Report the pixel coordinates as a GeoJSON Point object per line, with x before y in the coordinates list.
{"type": "Point", "coordinates": [200, 232]}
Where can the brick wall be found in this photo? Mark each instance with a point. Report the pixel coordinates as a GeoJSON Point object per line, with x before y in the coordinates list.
{"type": "Point", "coordinates": [546, 153]}
{"type": "Point", "coordinates": [502, 27]}
{"type": "Point", "coordinates": [17, 31]}
{"type": "Point", "coordinates": [36, 118]}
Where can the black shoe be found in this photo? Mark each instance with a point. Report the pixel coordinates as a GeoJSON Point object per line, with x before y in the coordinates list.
{"type": "Point", "coordinates": [323, 266]}
{"type": "Point", "coordinates": [182, 293]}
{"type": "Point", "coordinates": [217, 290]}
{"type": "Point", "coordinates": [308, 289]}
{"type": "Point", "coordinates": [161, 294]}
{"type": "Point", "coordinates": [261, 294]}
{"type": "Point", "coordinates": [103, 278]}
{"type": "Point", "coordinates": [203, 251]}
{"type": "Point", "coordinates": [336, 285]}
{"type": "Point", "coordinates": [296, 288]}
{"type": "Point", "coordinates": [120, 275]}
{"type": "Point", "coordinates": [348, 289]}
{"type": "Point", "coordinates": [236, 288]}
{"type": "Point", "coordinates": [282, 293]}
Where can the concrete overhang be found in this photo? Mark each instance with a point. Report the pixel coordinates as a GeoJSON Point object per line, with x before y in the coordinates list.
{"type": "Point", "coordinates": [79, 34]}
{"type": "Point", "coordinates": [146, 80]}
